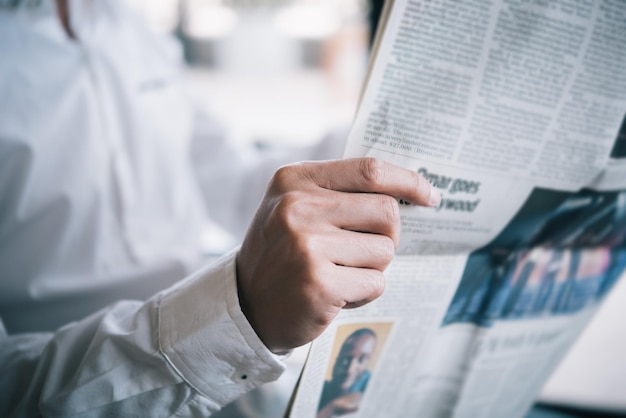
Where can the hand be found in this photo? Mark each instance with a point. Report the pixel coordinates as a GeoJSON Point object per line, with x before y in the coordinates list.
{"type": "Point", "coordinates": [319, 242]}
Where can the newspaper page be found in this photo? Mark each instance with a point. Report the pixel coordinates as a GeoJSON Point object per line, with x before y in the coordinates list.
{"type": "Point", "coordinates": [512, 108]}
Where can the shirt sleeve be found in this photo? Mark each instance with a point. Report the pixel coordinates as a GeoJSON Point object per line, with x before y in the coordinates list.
{"type": "Point", "coordinates": [187, 351]}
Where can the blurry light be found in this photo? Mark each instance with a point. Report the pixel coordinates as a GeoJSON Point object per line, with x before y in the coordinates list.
{"type": "Point", "coordinates": [163, 15]}
{"type": "Point", "coordinates": [209, 21]}
{"type": "Point", "coordinates": [307, 21]}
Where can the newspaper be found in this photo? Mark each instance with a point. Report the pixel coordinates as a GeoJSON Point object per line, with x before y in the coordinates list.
{"type": "Point", "coordinates": [513, 110]}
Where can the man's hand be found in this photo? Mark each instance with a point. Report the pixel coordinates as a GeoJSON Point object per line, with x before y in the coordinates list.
{"type": "Point", "coordinates": [319, 242]}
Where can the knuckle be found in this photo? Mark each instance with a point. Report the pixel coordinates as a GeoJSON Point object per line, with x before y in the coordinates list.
{"type": "Point", "coordinates": [306, 245]}
{"type": "Point", "coordinates": [372, 171]}
{"type": "Point", "coordinates": [317, 284]}
{"type": "Point", "coordinates": [304, 252]}
{"type": "Point", "coordinates": [322, 319]}
{"type": "Point", "coordinates": [323, 290]}
{"type": "Point", "coordinates": [284, 176]}
{"type": "Point", "coordinates": [382, 252]}
{"type": "Point", "coordinates": [376, 284]}
{"type": "Point", "coordinates": [389, 209]}
{"type": "Point", "coordinates": [290, 210]}
{"type": "Point", "coordinates": [388, 250]}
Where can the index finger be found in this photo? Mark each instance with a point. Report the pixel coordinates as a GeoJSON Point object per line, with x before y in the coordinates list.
{"type": "Point", "coordinates": [372, 175]}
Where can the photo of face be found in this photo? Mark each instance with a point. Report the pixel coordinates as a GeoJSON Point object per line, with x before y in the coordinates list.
{"type": "Point", "coordinates": [354, 355]}
{"type": "Point", "coordinates": [353, 359]}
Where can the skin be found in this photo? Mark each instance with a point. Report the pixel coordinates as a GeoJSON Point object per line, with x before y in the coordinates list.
{"type": "Point", "coordinates": [353, 360]}
{"type": "Point", "coordinates": [351, 363]}
{"type": "Point", "coordinates": [320, 240]}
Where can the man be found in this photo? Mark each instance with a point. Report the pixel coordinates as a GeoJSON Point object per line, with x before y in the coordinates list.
{"type": "Point", "coordinates": [106, 177]}
{"type": "Point", "coordinates": [342, 394]}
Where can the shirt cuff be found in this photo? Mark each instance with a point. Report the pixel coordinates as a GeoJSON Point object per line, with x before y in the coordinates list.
{"type": "Point", "coordinates": [205, 336]}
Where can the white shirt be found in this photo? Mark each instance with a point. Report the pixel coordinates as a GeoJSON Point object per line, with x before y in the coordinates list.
{"type": "Point", "coordinates": [100, 202]}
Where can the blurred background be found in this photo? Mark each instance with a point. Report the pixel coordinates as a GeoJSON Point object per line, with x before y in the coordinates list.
{"type": "Point", "coordinates": [294, 68]}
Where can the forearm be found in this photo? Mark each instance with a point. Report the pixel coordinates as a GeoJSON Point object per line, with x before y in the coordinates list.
{"type": "Point", "coordinates": [184, 350]}
{"type": "Point", "coordinates": [107, 363]}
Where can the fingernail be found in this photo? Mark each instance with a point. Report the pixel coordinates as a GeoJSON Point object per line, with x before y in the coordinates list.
{"type": "Point", "coordinates": [435, 197]}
